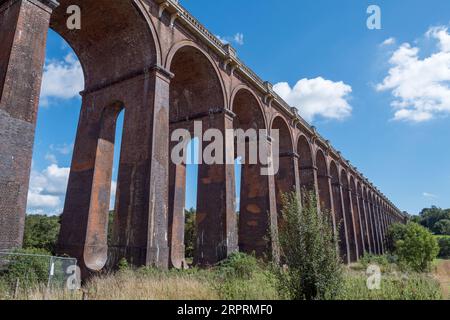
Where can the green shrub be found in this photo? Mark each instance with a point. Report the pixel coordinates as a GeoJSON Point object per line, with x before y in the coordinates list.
{"type": "Point", "coordinates": [239, 265]}
{"type": "Point", "coordinates": [396, 232]}
{"type": "Point", "coordinates": [261, 286]}
{"type": "Point", "coordinates": [308, 248]}
{"type": "Point", "coordinates": [415, 247]}
{"type": "Point", "coordinates": [30, 267]}
{"type": "Point", "coordinates": [444, 246]}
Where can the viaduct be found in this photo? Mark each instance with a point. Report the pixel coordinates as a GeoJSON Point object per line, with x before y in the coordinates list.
{"type": "Point", "coordinates": [155, 61]}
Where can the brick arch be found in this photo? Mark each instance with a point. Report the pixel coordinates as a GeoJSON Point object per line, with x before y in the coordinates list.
{"type": "Point", "coordinates": [254, 193]}
{"type": "Point", "coordinates": [306, 166]}
{"type": "Point", "coordinates": [371, 200]}
{"type": "Point", "coordinates": [205, 60]}
{"type": "Point", "coordinates": [96, 45]}
{"type": "Point", "coordinates": [241, 95]}
{"type": "Point", "coordinates": [363, 216]}
{"type": "Point", "coordinates": [339, 216]}
{"type": "Point", "coordinates": [323, 181]}
{"type": "Point", "coordinates": [286, 140]}
{"type": "Point", "coordinates": [356, 217]}
{"type": "Point", "coordinates": [348, 211]}
{"type": "Point", "coordinates": [285, 177]}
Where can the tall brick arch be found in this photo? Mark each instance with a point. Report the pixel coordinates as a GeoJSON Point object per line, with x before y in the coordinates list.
{"type": "Point", "coordinates": [165, 70]}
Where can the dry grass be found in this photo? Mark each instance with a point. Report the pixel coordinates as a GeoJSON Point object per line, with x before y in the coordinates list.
{"type": "Point", "coordinates": [130, 285]}
{"type": "Point", "coordinates": [442, 274]}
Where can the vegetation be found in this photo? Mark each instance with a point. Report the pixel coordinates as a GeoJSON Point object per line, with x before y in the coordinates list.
{"type": "Point", "coordinates": [444, 246]}
{"type": "Point", "coordinates": [414, 245]}
{"type": "Point", "coordinates": [305, 232]}
{"type": "Point", "coordinates": [41, 232]}
{"type": "Point", "coordinates": [190, 235]}
{"type": "Point", "coordinates": [435, 219]}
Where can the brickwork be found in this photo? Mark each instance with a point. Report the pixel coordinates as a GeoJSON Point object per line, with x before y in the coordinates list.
{"type": "Point", "coordinates": [152, 60]}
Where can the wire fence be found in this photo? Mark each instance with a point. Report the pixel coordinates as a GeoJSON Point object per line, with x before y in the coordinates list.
{"type": "Point", "coordinates": [22, 273]}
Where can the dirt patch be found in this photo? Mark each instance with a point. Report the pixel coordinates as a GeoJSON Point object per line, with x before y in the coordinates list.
{"type": "Point", "coordinates": [442, 274]}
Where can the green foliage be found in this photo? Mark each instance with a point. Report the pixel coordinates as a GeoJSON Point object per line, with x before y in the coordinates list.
{"type": "Point", "coordinates": [238, 265]}
{"type": "Point", "coordinates": [29, 266]}
{"type": "Point", "coordinates": [431, 218]}
{"type": "Point", "coordinates": [393, 287]}
{"type": "Point", "coordinates": [41, 232]}
{"type": "Point", "coordinates": [308, 248]}
{"type": "Point", "coordinates": [190, 235]}
{"type": "Point", "coordinates": [442, 227]}
{"type": "Point", "coordinates": [261, 286]}
{"type": "Point", "coordinates": [240, 276]}
{"type": "Point", "coordinates": [444, 246]}
{"type": "Point", "coordinates": [415, 246]}
{"type": "Point", "coordinates": [396, 231]}
{"type": "Point", "coordinates": [387, 263]}
{"type": "Point", "coordinates": [123, 265]}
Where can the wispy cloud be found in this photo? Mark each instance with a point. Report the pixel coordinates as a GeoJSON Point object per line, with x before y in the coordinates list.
{"type": "Point", "coordinates": [238, 39]}
{"type": "Point", "coordinates": [430, 195]}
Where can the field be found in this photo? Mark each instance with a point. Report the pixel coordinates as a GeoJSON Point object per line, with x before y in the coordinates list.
{"type": "Point", "coordinates": [259, 284]}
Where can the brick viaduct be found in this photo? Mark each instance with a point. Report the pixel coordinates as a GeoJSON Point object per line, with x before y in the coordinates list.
{"type": "Point", "coordinates": [156, 62]}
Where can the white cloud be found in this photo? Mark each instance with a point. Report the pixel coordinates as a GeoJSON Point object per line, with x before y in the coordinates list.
{"type": "Point", "coordinates": [317, 97]}
{"type": "Point", "coordinates": [62, 79]}
{"type": "Point", "coordinates": [388, 41]}
{"type": "Point", "coordinates": [420, 86]}
{"type": "Point", "coordinates": [238, 38]}
{"type": "Point", "coordinates": [47, 190]}
{"type": "Point", "coordinates": [429, 195]}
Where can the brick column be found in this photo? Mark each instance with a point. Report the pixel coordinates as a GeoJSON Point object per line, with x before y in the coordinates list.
{"type": "Point", "coordinates": [23, 34]}
{"type": "Point", "coordinates": [340, 221]}
{"type": "Point", "coordinates": [216, 204]}
{"type": "Point", "coordinates": [365, 224]}
{"type": "Point", "coordinates": [346, 204]}
{"type": "Point", "coordinates": [357, 219]}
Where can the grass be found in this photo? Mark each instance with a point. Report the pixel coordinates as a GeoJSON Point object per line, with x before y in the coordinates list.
{"type": "Point", "coordinates": [232, 281]}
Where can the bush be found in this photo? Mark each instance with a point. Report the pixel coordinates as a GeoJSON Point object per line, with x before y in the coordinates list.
{"type": "Point", "coordinates": [239, 265]}
{"type": "Point", "coordinates": [29, 266]}
{"type": "Point", "coordinates": [415, 247]}
{"type": "Point", "coordinates": [396, 232]}
{"type": "Point", "coordinates": [308, 247]}
{"type": "Point", "coordinates": [444, 246]}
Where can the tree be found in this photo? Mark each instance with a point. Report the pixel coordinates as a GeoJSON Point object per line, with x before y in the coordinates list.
{"type": "Point", "coordinates": [415, 246]}
{"type": "Point", "coordinates": [429, 217]}
{"type": "Point", "coordinates": [442, 227]}
{"type": "Point", "coordinates": [309, 250]}
{"type": "Point", "coordinates": [41, 232]}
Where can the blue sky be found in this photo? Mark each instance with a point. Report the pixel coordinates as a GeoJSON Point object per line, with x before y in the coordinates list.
{"type": "Point", "coordinates": [382, 97]}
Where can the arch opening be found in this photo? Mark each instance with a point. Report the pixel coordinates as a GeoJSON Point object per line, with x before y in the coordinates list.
{"type": "Point", "coordinates": [353, 246]}
{"type": "Point", "coordinates": [196, 105]}
{"type": "Point", "coordinates": [340, 221]}
{"type": "Point", "coordinates": [252, 187]}
{"type": "Point", "coordinates": [285, 177]}
{"type": "Point", "coordinates": [306, 167]}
